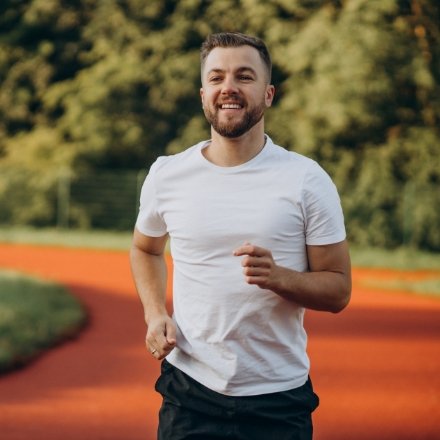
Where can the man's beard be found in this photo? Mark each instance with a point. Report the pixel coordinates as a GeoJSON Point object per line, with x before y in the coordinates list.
{"type": "Point", "coordinates": [235, 128]}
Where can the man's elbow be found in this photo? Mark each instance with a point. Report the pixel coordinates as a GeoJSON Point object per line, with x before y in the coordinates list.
{"type": "Point", "coordinates": [342, 300]}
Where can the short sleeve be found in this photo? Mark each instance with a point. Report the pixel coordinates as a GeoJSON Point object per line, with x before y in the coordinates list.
{"type": "Point", "coordinates": [149, 220]}
{"type": "Point", "coordinates": [324, 219]}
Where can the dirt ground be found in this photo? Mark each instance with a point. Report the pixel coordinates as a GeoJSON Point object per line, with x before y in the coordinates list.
{"type": "Point", "coordinates": [375, 366]}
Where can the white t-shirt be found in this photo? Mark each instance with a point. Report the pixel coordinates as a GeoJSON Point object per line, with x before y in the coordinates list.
{"type": "Point", "coordinates": [232, 337]}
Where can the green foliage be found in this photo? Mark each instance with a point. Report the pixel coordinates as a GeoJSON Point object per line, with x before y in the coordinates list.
{"type": "Point", "coordinates": [34, 315]}
{"type": "Point", "coordinates": [111, 84]}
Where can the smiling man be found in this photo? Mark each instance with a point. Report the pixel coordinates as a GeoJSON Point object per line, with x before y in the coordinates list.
{"type": "Point", "coordinates": [257, 236]}
{"type": "Point", "coordinates": [239, 111]}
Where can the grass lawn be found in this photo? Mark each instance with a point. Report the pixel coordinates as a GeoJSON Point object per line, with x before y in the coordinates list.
{"type": "Point", "coordinates": [425, 286]}
{"type": "Point", "coordinates": [34, 315]}
{"type": "Point", "coordinates": [97, 239]}
{"type": "Point", "coordinates": [401, 258]}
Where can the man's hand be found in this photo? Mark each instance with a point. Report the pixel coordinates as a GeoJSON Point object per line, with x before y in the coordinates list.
{"type": "Point", "coordinates": [326, 286]}
{"type": "Point", "coordinates": [161, 336]}
{"type": "Point", "coordinates": [259, 267]}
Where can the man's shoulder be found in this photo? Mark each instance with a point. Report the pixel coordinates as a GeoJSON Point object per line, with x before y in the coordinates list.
{"type": "Point", "coordinates": [296, 167]}
{"type": "Point", "coordinates": [177, 160]}
{"type": "Point", "coordinates": [292, 158]}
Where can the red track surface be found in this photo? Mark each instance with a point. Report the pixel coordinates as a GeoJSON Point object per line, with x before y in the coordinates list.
{"type": "Point", "coordinates": [376, 366]}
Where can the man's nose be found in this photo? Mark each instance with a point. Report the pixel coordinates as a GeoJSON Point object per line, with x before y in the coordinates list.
{"type": "Point", "coordinates": [229, 86]}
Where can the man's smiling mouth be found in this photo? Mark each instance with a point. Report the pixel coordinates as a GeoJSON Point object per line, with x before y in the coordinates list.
{"type": "Point", "coordinates": [231, 106]}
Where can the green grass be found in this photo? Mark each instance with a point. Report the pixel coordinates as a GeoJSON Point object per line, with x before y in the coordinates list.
{"type": "Point", "coordinates": [34, 315]}
{"type": "Point", "coordinates": [97, 239]}
{"type": "Point", "coordinates": [425, 287]}
{"type": "Point", "coordinates": [401, 258]}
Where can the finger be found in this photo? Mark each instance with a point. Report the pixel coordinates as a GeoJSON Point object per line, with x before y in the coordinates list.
{"type": "Point", "coordinates": [260, 281]}
{"type": "Point", "coordinates": [251, 250]}
{"type": "Point", "coordinates": [242, 249]}
{"type": "Point", "coordinates": [171, 333]}
{"type": "Point", "coordinates": [163, 339]}
{"type": "Point", "coordinates": [255, 271]}
{"type": "Point", "coordinates": [150, 347]}
{"type": "Point", "coordinates": [156, 338]}
{"type": "Point", "coordinates": [164, 354]}
{"type": "Point", "coordinates": [159, 353]}
{"type": "Point", "coordinates": [150, 343]}
{"type": "Point", "coordinates": [164, 351]}
{"type": "Point", "coordinates": [255, 261]}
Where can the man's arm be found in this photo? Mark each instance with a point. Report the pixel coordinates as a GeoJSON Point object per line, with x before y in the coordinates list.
{"type": "Point", "coordinates": [326, 287]}
{"type": "Point", "coordinates": [150, 276]}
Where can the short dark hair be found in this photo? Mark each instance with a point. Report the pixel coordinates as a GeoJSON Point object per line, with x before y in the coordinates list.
{"type": "Point", "coordinates": [235, 39]}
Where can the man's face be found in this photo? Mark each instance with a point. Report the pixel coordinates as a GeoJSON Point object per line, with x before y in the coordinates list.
{"type": "Point", "coordinates": [235, 92]}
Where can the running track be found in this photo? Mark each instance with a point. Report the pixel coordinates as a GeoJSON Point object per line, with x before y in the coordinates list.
{"type": "Point", "coordinates": [376, 366]}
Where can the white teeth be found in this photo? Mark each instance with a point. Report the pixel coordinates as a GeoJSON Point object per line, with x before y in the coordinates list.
{"type": "Point", "coordinates": [231, 106]}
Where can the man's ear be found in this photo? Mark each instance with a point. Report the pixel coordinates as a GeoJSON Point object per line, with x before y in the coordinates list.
{"type": "Point", "coordinates": [270, 93]}
{"type": "Point", "coordinates": [201, 96]}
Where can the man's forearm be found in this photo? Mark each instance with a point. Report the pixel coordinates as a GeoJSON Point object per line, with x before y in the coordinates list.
{"type": "Point", "coordinates": [150, 276]}
{"type": "Point", "coordinates": [324, 291]}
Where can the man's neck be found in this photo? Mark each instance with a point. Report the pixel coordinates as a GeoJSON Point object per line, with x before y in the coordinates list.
{"type": "Point", "coordinates": [230, 152]}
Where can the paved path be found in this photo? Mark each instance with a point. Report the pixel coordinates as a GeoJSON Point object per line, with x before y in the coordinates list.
{"type": "Point", "coordinates": [376, 366]}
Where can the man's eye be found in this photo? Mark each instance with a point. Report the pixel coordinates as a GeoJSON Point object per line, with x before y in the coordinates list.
{"type": "Point", "coordinates": [215, 79]}
{"type": "Point", "coordinates": [245, 78]}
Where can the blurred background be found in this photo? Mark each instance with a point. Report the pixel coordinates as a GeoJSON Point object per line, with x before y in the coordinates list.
{"type": "Point", "coordinates": [92, 91]}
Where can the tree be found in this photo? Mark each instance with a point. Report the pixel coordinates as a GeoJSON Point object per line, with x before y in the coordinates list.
{"type": "Point", "coordinates": [94, 84]}
{"type": "Point", "coordinates": [362, 97]}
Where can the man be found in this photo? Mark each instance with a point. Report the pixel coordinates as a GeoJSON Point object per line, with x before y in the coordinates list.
{"type": "Point", "coordinates": [257, 236]}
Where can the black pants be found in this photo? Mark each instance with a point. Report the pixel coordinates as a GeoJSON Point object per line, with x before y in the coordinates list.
{"type": "Point", "coordinates": [191, 411]}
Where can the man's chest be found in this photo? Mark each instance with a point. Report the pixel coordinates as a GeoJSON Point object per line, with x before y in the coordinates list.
{"type": "Point", "coordinates": [234, 211]}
